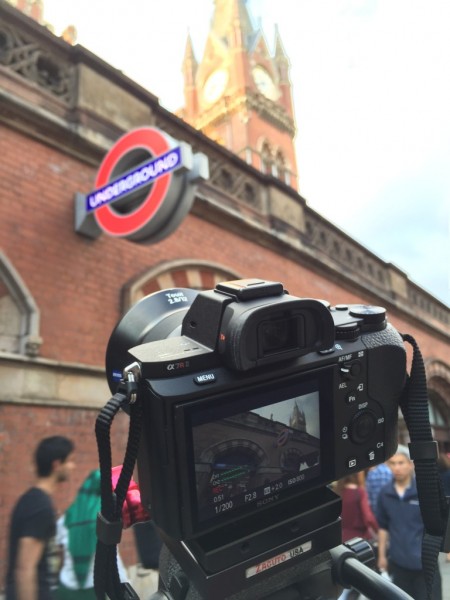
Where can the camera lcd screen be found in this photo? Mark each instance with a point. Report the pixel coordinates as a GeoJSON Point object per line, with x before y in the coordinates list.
{"type": "Point", "coordinates": [243, 458]}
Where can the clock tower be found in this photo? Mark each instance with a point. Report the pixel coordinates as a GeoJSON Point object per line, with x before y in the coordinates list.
{"type": "Point", "coordinates": [240, 95]}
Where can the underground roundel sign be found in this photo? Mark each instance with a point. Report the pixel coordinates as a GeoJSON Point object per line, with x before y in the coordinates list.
{"type": "Point", "coordinates": [144, 188]}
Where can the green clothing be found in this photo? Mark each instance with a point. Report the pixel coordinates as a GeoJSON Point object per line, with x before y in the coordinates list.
{"type": "Point", "coordinates": [63, 593]}
{"type": "Point", "coordinates": [80, 520]}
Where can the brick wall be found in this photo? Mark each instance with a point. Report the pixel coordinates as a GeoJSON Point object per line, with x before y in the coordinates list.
{"type": "Point", "coordinates": [76, 282]}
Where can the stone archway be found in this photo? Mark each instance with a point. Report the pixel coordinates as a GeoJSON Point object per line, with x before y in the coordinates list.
{"type": "Point", "coordinates": [195, 274]}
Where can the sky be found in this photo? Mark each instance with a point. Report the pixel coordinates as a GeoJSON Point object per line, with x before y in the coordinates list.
{"type": "Point", "coordinates": [371, 88]}
{"type": "Point", "coordinates": [309, 404]}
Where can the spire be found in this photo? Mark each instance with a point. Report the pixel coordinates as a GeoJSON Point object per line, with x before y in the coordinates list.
{"type": "Point", "coordinates": [280, 53]}
{"type": "Point", "coordinates": [189, 70]}
{"type": "Point", "coordinates": [229, 14]}
{"type": "Point", "coordinates": [282, 65]}
{"type": "Point", "coordinates": [297, 420]}
{"type": "Point", "coordinates": [189, 48]}
{"type": "Point", "coordinates": [189, 62]}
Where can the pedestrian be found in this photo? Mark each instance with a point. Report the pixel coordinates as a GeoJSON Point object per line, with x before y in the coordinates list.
{"type": "Point", "coordinates": [376, 478]}
{"type": "Point", "coordinates": [33, 524]}
{"type": "Point", "coordinates": [401, 530]}
{"type": "Point", "coordinates": [357, 517]}
{"type": "Point", "coordinates": [76, 535]}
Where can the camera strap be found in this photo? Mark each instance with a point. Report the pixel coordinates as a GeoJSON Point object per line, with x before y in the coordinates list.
{"type": "Point", "coordinates": [109, 521]}
{"type": "Point", "coordinates": [434, 505]}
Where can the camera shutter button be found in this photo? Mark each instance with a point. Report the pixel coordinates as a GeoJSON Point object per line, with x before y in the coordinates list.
{"type": "Point", "coordinates": [363, 426]}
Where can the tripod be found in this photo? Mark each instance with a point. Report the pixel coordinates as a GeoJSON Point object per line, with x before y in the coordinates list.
{"type": "Point", "coordinates": [319, 578]}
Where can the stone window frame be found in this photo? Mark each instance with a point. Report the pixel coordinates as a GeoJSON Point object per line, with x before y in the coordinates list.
{"type": "Point", "coordinates": [29, 338]}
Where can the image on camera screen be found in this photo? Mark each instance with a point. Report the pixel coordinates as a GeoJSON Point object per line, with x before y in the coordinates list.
{"type": "Point", "coordinates": [248, 457]}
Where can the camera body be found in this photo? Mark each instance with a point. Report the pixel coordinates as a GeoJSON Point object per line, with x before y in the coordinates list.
{"type": "Point", "coordinates": [253, 402]}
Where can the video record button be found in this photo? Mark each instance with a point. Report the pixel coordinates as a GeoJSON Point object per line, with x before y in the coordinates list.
{"type": "Point", "coordinates": [205, 378]}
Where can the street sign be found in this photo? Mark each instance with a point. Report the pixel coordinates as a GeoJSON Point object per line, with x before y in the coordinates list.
{"type": "Point", "coordinates": [144, 188]}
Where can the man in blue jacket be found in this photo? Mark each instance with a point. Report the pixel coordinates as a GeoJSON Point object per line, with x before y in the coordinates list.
{"type": "Point", "coordinates": [401, 529]}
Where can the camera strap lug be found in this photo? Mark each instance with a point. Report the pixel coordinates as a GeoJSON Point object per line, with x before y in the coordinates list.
{"type": "Point", "coordinates": [129, 383]}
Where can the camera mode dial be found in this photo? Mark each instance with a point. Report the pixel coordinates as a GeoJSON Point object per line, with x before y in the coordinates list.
{"type": "Point", "coordinates": [371, 315]}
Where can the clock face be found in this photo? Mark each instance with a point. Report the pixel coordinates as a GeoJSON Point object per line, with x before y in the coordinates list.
{"type": "Point", "coordinates": [265, 83]}
{"type": "Point", "coordinates": [215, 85]}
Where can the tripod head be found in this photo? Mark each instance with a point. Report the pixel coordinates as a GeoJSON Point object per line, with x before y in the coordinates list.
{"type": "Point", "coordinates": [320, 578]}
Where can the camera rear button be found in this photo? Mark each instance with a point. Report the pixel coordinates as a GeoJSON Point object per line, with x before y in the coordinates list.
{"type": "Point", "coordinates": [350, 370]}
{"type": "Point", "coordinates": [351, 397]}
{"type": "Point", "coordinates": [371, 455]}
{"type": "Point", "coordinates": [363, 426]}
{"type": "Point", "coordinates": [205, 378]}
{"type": "Point", "coordinates": [352, 462]}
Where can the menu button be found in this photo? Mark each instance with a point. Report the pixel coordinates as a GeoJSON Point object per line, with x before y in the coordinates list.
{"type": "Point", "coordinates": [205, 378]}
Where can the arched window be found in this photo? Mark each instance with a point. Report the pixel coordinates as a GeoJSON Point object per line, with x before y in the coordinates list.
{"type": "Point", "coordinates": [19, 315]}
{"type": "Point", "coordinates": [198, 275]}
{"type": "Point", "coordinates": [280, 165]}
{"type": "Point", "coordinates": [266, 159]}
{"type": "Point", "coordinates": [437, 418]}
{"type": "Point", "coordinates": [438, 380]}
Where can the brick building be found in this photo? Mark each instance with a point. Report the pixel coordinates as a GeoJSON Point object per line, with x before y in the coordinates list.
{"type": "Point", "coordinates": [61, 293]}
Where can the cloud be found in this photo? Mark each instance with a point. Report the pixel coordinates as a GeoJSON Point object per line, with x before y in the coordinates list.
{"type": "Point", "coordinates": [408, 224]}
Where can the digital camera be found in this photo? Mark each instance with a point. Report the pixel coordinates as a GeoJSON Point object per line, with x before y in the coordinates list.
{"type": "Point", "coordinates": [254, 401]}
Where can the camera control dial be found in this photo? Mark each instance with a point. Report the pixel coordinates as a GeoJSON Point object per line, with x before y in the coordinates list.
{"type": "Point", "coordinates": [363, 426]}
{"type": "Point", "coordinates": [347, 331]}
